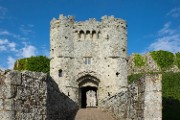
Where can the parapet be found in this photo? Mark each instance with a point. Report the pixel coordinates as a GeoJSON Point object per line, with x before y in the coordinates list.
{"type": "Point", "coordinates": [106, 21]}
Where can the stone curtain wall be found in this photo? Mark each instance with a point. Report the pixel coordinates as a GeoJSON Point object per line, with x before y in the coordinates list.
{"type": "Point", "coordinates": [32, 96]}
{"type": "Point", "coordinates": [146, 98]}
{"type": "Point", "coordinates": [59, 106]}
{"type": "Point", "coordinates": [150, 65]}
{"type": "Point", "coordinates": [142, 100]}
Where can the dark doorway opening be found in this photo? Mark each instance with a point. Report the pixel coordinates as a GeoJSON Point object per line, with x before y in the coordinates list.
{"type": "Point", "coordinates": [83, 98]}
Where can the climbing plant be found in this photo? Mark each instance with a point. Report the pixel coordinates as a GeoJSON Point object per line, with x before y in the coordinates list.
{"type": "Point", "coordinates": [139, 61]}
{"type": "Point", "coordinates": [164, 59]}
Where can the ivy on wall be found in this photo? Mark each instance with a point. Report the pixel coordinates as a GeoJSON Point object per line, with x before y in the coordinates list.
{"type": "Point", "coordinates": [38, 64]}
{"type": "Point", "coordinates": [139, 61]}
{"type": "Point", "coordinates": [164, 59]}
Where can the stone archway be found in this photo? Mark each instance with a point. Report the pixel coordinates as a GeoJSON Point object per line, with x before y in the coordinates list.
{"type": "Point", "coordinates": [88, 91]}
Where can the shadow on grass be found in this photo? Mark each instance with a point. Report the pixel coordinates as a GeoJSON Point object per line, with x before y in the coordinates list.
{"type": "Point", "coordinates": [171, 109]}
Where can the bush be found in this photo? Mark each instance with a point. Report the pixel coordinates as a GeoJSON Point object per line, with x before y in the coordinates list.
{"type": "Point", "coordinates": [37, 64]}
{"type": "Point", "coordinates": [164, 59]}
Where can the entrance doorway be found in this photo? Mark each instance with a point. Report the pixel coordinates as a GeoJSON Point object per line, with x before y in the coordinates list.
{"type": "Point", "coordinates": [88, 97]}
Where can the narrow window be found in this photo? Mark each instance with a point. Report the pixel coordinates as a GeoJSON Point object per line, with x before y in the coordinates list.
{"type": "Point", "coordinates": [60, 73]}
{"type": "Point", "coordinates": [94, 34]}
{"type": "Point", "coordinates": [87, 60]}
{"type": "Point", "coordinates": [81, 34]}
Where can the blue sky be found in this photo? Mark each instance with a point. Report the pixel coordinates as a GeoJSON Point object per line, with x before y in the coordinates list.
{"type": "Point", "coordinates": [25, 24]}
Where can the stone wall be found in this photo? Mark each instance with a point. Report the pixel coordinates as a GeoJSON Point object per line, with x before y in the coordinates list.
{"type": "Point", "coordinates": [142, 100]}
{"type": "Point", "coordinates": [150, 65]}
{"type": "Point", "coordinates": [32, 96]}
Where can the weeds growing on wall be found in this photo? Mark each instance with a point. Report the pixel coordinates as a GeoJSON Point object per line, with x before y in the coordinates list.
{"type": "Point", "coordinates": [164, 59]}
{"type": "Point", "coordinates": [38, 64]}
{"type": "Point", "coordinates": [139, 61]}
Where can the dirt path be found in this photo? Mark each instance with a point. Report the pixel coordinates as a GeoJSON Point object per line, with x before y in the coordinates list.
{"type": "Point", "coordinates": [93, 114]}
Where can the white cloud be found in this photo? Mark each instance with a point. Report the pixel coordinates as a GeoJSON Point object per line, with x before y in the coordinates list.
{"type": "Point", "coordinates": [3, 41]}
{"type": "Point", "coordinates": [3, 48]}
{"type": "Point", "coordinates": [168, 39]}
{"type": "Point", "coordinates": [10, 62]}
{"type": "Point", "coordinates": [4, 32]}
{"type": "Point", "coordinates": [26, 29]}
{"type": "Point", "coordinates": [5, 45]}
{"type": "Point", "coordinates": [29, 51]}
{"type": "Point", "coordinates": [12, 46]}
{"type": "Point", "coordinates": [166, 30]}
{"type": "Point", "coordinates": [174, 12]}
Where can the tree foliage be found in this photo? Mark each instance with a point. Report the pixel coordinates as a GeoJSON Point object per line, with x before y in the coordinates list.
{"type": "Point", "coordinates": [38, 64]}
{"type": "Point", "coordinates": [178, 59]}
{"type": "Point", "coordinates": [164, 59]}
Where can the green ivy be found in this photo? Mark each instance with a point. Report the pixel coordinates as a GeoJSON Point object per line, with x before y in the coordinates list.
{"type": "Point", "coordinates": [139, 60]}
{"type": "Point", "coordinates": [164, 59]}
{"type": "Point", "coordinates": [134, 77]}
{"type": "Point", "coordinates": [178, 59]}
{"type": "Point", "coordinates": [38, 64]}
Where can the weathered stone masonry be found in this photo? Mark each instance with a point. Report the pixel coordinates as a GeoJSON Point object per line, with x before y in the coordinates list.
{"type": "Point", "coordinates": [142, 100]}
{"type": "Point", "coordinates": [89, 54]}
{"type": "Point", "coordinates": [33, 96]}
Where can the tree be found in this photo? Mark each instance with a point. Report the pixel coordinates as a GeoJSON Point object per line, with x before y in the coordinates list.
{"type": "Point", "coordinates": [35, 63]}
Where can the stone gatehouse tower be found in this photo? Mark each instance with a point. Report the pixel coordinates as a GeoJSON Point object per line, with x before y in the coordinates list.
{"type": "Point", "coordinates": [89, 56]}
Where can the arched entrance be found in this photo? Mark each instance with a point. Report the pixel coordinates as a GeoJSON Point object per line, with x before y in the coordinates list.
{"type": "Point", "coordinates": [88, 91]}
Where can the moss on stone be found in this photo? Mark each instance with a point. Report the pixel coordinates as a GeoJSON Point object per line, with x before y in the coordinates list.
{"type": "Point", "coordinates": [139, 61]}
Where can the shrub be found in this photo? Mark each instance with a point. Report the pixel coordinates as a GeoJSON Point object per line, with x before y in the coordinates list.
{"type": "Point", "coordinates": [38, 64]}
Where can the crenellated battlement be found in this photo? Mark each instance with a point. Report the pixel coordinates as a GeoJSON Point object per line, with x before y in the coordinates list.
{"type": "Point", "coordinates": [91, 24]}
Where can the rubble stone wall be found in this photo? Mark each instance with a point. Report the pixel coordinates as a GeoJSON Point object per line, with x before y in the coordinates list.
{"type": "Point", "coordinates": [142, 100]}
{"type": "Point", "coordinates": [150, 65]}
{"type": "Point", "coordinates": [32, 96]}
